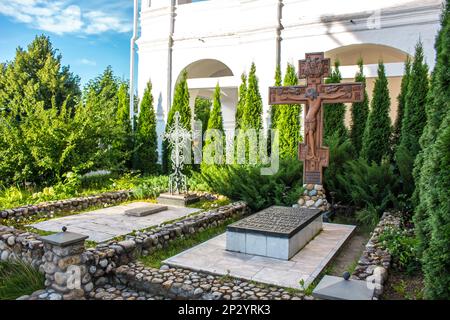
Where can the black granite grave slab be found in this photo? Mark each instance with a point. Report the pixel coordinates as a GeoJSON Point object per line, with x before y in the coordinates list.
{"type": "Point", "coordinates": [276, 221]}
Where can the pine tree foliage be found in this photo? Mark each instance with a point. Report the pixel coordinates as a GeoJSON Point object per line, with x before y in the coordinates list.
{"type": "Point", "coordinates": [274, 110]}
{"type": "Point", "coordinates": [376, 136]}
{"type": "Point", "coordinates": [145, 136]}
{"type": "Point", "coordinates": [40, 67]}
{"type": "Point", "coordinates": [413, 120]}
{"type": "Point", "coordinates": [215, 122]}
{"type": "Point", "coordinates": [334, 113]}
{"type": "Point", "coordinates": [180, 104]}
{"type": "Point", "coordinates": [241, 101]}
{"type": "Point", "coordinates": [414, 116]}
{"type": "Point", "coordinates": [360, 113]}
{"type": "Point", "coordinates": [125, 139]}
{"type": "Point", "coordinates": [431, 213]}
{"type": "Point", "coordinates": [202, 110]}
{"type": "Point", "coordinates": [401, 101]}
{"type": "Point", "coordinates": [288, 122]}
{"type": "Point", "coordinates": [252, 113]}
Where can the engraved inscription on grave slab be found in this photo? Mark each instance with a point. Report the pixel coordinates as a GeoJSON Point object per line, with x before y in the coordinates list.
{"type": "Point", "coordinates": [276, 220]}
{"type": "Point", "coordinates": [276, 232]}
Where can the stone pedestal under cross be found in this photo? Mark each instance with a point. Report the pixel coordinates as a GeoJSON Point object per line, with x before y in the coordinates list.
{"type": "Point", "coordinates": [314, 68]}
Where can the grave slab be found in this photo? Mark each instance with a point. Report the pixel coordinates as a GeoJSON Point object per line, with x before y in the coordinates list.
{"type": "Point", "coordinates": [212, 257]}
{"type": "Point", "coordinates": [145, 211]}
{"type": "Point", "coordinates": [277, 232]}
{"type": "Point", "coordinates": [107, 223]}
{"type": "Point", "coordinates": [337, 288]}
{"type": "Point", "coordinates": [180, 200]}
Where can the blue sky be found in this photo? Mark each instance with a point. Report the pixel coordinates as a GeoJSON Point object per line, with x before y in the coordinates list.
{"type": "Point", "coordinates": [90, 34]}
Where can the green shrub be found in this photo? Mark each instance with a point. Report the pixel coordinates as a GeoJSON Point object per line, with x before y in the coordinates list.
{"type": "Point", "coordinates": [150, 187]}
{"type": "Point", "coordinates": [341, 151]}
{"type": "Point", "coordinates": [13, 196]}
{"type": "Point", "coordinates": [368, 216]}
{"type": "Point", "coordinates": [246, 183]}
{"type": "Point", "coordinates": [369, 184]}
{"type": "Point", "coordinates": [402, 245]}
{"type": "Point", "coordinates": [17, 279]}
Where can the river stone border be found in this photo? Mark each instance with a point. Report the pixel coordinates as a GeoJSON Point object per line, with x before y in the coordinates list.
{"type": "Point", "coordinates": [375, 261]}
{"type": "Point", "coordinates": [137, 282]}
{"type": "Point", "coordinates": [98, 264]}
{"type": "Point", "coordinates": [67, 205]}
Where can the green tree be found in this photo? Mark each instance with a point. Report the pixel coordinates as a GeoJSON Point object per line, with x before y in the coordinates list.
{"type": "Point", "coordinates": [180, 104]}
{"type": "Point", "coordinates": [436, 257]}
{"type": "Point", "coordinates": [376, 136]}
{"type": "Point", "coordinates": [360, 112]}
{"type": "Point", "coordinates": [414, 116]}
{"type": "Point", "coordinates": [401, 101]}
{"type": "Point", "coordinates": [125, 139]}
{"type": "Point", "coordinates": [43, 144]}
{"type": "Point", "coordinates": [252, 113]}
{"type": "Point", "coordinates": [288, 120]}
{"type": "Point", "coordinates": [426, 170]}
{"type": "Point", "coordinates": [241, 101]}
{"type": "Point", "coordinates": [334, 113]}
{"type": "Point", "coordinates": [202, 110]}
{"type": "Point", "coordinates": [274, 110]}
{"type": "Point", "coordinates": [215, 122]}
{"type": "Point", "coordinates": [145, 136]}
{"type": "Point", "coordinates": [413, 121]}
{"type": "Point", "coordinates": [39, 66]}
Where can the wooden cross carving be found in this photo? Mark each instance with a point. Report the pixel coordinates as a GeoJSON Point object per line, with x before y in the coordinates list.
{"type": "Point", "coordinates": [314, 95]}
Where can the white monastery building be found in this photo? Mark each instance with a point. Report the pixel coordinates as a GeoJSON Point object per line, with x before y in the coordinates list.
{"type": "Point", "coordinates": [217, 40]}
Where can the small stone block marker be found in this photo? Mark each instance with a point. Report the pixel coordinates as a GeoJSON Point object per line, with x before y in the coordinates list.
{"type": "Point", "coordinates": [179, 200]}
{"type": "Point", "coordinates": [145, 211]}
{"type": "Point", "coordinates": [276, 232]}
{"type": "Point", "coordinates": [64, 239]}
{"type": "Point", "coordinates": [66, 274]}
{"type": "Point", "coordinates": [337, 288]}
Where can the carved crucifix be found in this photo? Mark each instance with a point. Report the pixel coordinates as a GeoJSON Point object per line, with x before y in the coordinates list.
{"type": "Point", "coordinates": [314, 68]}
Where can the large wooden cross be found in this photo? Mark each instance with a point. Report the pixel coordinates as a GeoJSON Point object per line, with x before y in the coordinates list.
{"type": "Point", "coordinates": [314, 68]}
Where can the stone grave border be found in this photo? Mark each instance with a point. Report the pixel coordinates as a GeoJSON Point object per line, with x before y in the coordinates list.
{"type": "Point", "coordinates": [95, 267]}
{"type": "Point", "coordinates": [67, 205]}
{"type": "Point", "coordinates": [374, 264]}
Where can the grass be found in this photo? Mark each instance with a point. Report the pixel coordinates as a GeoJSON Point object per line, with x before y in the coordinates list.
{"type": "Point", "coordinates": [17, 279]}
{"type": "Point", "coordinates": [142, 186]}
{"type": "Point", "coordinates": [155, 259]}
{"type": "Point", "coordinates": [402, 286]}
{"type": "Point", "coordinates": [210, 204]}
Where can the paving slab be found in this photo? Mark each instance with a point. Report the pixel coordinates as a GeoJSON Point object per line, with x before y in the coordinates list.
{"type": "Point", "coordinates": [107, 223]}
{"type": "Point", "coordinates": [212, 257]}
{"type": "Point", "coordinates": [337, 288]}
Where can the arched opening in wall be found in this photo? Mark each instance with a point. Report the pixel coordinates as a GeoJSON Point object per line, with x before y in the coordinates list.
{"type": "Point", "coordinates": [203, 76]}
{"type": "Point", "coordinates": [371, 54]}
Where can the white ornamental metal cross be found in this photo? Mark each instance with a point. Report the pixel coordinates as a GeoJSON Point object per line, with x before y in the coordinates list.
{"type": "Point", "coordinates": [178, 138]}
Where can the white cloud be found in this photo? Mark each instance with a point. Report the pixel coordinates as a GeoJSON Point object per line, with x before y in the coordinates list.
{"type": "Point", "coordinates": [88, 62]}
{"type": "Point", "coordinates": [99, 22]}
{"type": "Point", "coordinates": [62, 17]}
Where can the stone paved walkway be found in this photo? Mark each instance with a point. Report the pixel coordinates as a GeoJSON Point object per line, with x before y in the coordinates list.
{"type": "Point", "coordinates": [105, 224]}
{"type": "Point", "coordinates": [211, 256]}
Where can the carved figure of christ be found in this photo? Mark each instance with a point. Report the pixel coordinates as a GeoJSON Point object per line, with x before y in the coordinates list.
{"type": "Point", "coordinates": [314, 95]}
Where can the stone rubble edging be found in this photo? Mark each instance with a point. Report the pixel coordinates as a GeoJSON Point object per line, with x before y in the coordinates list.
{"type": "Point", "coordinates": [375, 261]}
{"type": "Point", "coordinates": [73, 204]}
{"type": "Point", "coordinates": [97, 265]}
{"type": "Point", "coordinates": [137, 282]}
{"type": "Point", "coordinates": [23, 245]}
